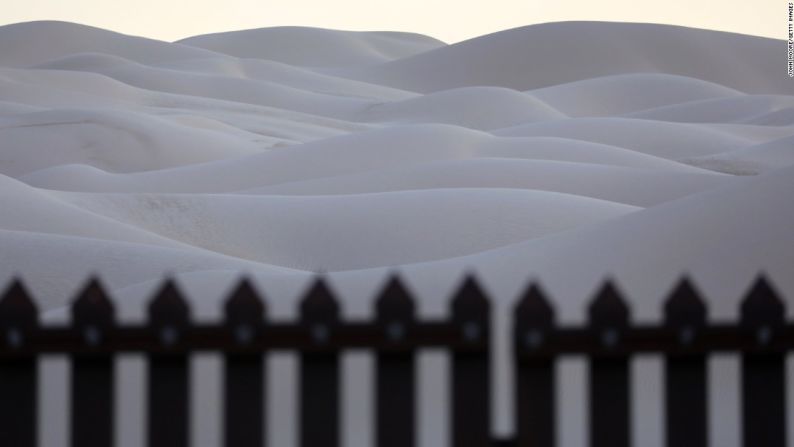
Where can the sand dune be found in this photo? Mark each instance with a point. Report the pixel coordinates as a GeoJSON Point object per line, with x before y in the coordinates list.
{"type": "Point", "coordinates": [222, 87]}
{"type": "Point", "coordinates": [358, 230]}
{"type": "Point", "coordinates": [10, 108]}
{"type": "Point", "coordinates": [660, 139]}
{"type": "Point", "coordinates": [322, 133]}
{"type": "Point", "coordinates": [31, 43]}
{"type": "Point", "coordinates": [584, 50]}
{"type": "Point", "coordinates": [112, 140]}
{"type": "Point", "coordinates": [616, 184]}
{"type": "Point", "coordinates": [315, 47]}
{"type": "Point", "coordinates": [473, 107]}
{"type": "Point", "coordinates": [347, 154]}
{"type": "Point", "coordinates": [568, 151]}
{"type": "Point", "coordinates": [624, 93]}
{"type": "Point", "coordinates": [633, 247]}
{"type": "Point", "coordinates": [782, 117]}
{"type": "Point", "coordinates": [42, 88]}
{"type": "Point", "coordinates": [285, 74]}
{"type": "Point", "coordinates": [37, 211]}
{"type": "Point", "coordinates": [751, 109]}
{"type": "Point", "coordinates": [751, 160]}
{"type": "Point", "coordinates": [45, 88]}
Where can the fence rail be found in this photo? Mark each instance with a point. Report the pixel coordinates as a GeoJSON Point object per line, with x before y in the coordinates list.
{"type": "Point", "coordinates": [395, 335]}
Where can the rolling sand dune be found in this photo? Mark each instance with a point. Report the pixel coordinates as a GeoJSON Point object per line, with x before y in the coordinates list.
{"type": "Point", "coordinates": [751, 160]}
{"type": "Point", "coordinates": [473, 107]}
{"type": "Point", "coordinates": [315, 47]}
{"type": "Point", "coordinates": [660, 139]}
{"type": "Point", "coordinates": [31, 43]}
{"type": "Point", "coordinates": [633, 244]}
{"type": "Point", "coordinates": [384, 229]}
{"type": "Point", "coordinates": [289, 75]}
{"type": "Point", "coordinates": [347, 154]}
{"type": "Point", "coordinates": [617, 184]}
{"type": "Point", "coordinates": [584, 50]}
{"type": "Point", "coordinates": [625, 93]}
{"type": "Point", "coordinates": [227, 88]}
{"type": "Point", "coordinates": [38, 211]}
{"type": "Point", "coordinates": [109, 139]}
{"type": "Point", "coordinates": [750, 109]}
{"type": "Point", "coordinates": [568, 151]}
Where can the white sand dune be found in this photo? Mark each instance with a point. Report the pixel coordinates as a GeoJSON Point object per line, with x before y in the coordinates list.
{"type": "Point", "coordinates": [11, 108]}
{"type": "Point", "coordinates": [31, 43]}
{"type": "Point", "coordinates": [315, 47]}
{"type": "Point", "coordinates": [584, 50]}
{"type": "Point", "coordinates": [624, 93]}
{"type": "Point", "coordinates": [348, 154]}
{"type": "Point", "coordinates": [63, 89]}
{"type": "Point", "coordinates": [657, 138]}
{"type": "Point", "coordinates": [44, 88]}
{"type": "Point", "coordinates": [241, 90]}
{"type": "Point", "coordinates": [38, 211]}
{"type": "Point", "coordinates": [631, 186]}
{"type": "Point", "coordinates": [567, 151]}
{"type": "Point", "coordinates": [782, 117]}
{"type": "Point", "coordinates": [750, 109]}
{"type": "Point", "coordinates": [359, 231]}
{"type": "Point", "coordinates": [751, 160]}
{"type": "Point", "coordinates": [289, 75]}
{"type": "Point", "coordinates": [473, 107]}
{"type": "Point", "coordinates": [109, 139]}
{"type": "Point", "coordinates": [648, 249]}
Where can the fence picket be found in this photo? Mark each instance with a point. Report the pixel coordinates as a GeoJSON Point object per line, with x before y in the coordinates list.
{"type": "Point", "coordinates": [319, 371]}
{"type": "Point", "coordinates": [244, 378]}
{"type": "Point", "coordinates": [395, 377]}
{"type": "Point", "coordinates": [763, 374]}
{"type": "Point", "coordinates": [535, 385]}
{"type": "Point", "coordinates": [168, 371]}
{"type": "Point", "coordinates": [470, 397]}
{"type": "Point", "coordinates": [685, 375]}
{"type": "Point", "coordinates": [609, 373]}
{"type": "Point", "coordinates": [18, 315]}
{"type": "Point", "coordinates": [92, 373]}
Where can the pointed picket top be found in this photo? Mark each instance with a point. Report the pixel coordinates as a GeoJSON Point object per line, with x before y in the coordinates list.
{"type": "Point", "coordinates": [244, 304]}
{"type": "Point", "coordinates": [319, 303]}
{"type": "Point", "coordinates": [168, 307]}
{"type": "Point", "coordinates": [534, 309]}
{"type": "Point", "coordinates": [394, 301]}
{"type": "Point", "coordinates": [92, 305]}
{"type": "Point", "coordinates": [685, 305]}
{"type": "Point", "coordinates": [609, 308]}
{"type": "Point", "coordinates": [762, 304]}
{"type": "Point", "coordinates": [470, 301]}
{"type": "Point", "coordinates": [17, 308]}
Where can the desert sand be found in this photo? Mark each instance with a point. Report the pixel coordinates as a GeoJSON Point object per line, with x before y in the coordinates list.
{"type": "Point", "coordinates": [566, 152]}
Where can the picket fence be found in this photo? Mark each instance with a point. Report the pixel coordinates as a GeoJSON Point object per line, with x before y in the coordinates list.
{"type": "Point", "coordinates": [686, 338]}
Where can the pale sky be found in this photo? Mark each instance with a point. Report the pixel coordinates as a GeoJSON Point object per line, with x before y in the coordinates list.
{"type": "Point", "coordinates": [448, 20]}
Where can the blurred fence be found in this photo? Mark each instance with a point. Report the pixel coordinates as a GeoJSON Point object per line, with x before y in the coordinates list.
{"type": "Point", "coordinates": [395, 335]}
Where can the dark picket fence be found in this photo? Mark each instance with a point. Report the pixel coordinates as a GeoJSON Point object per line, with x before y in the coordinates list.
{"type": "Point", "coordinates": [762, 337]}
